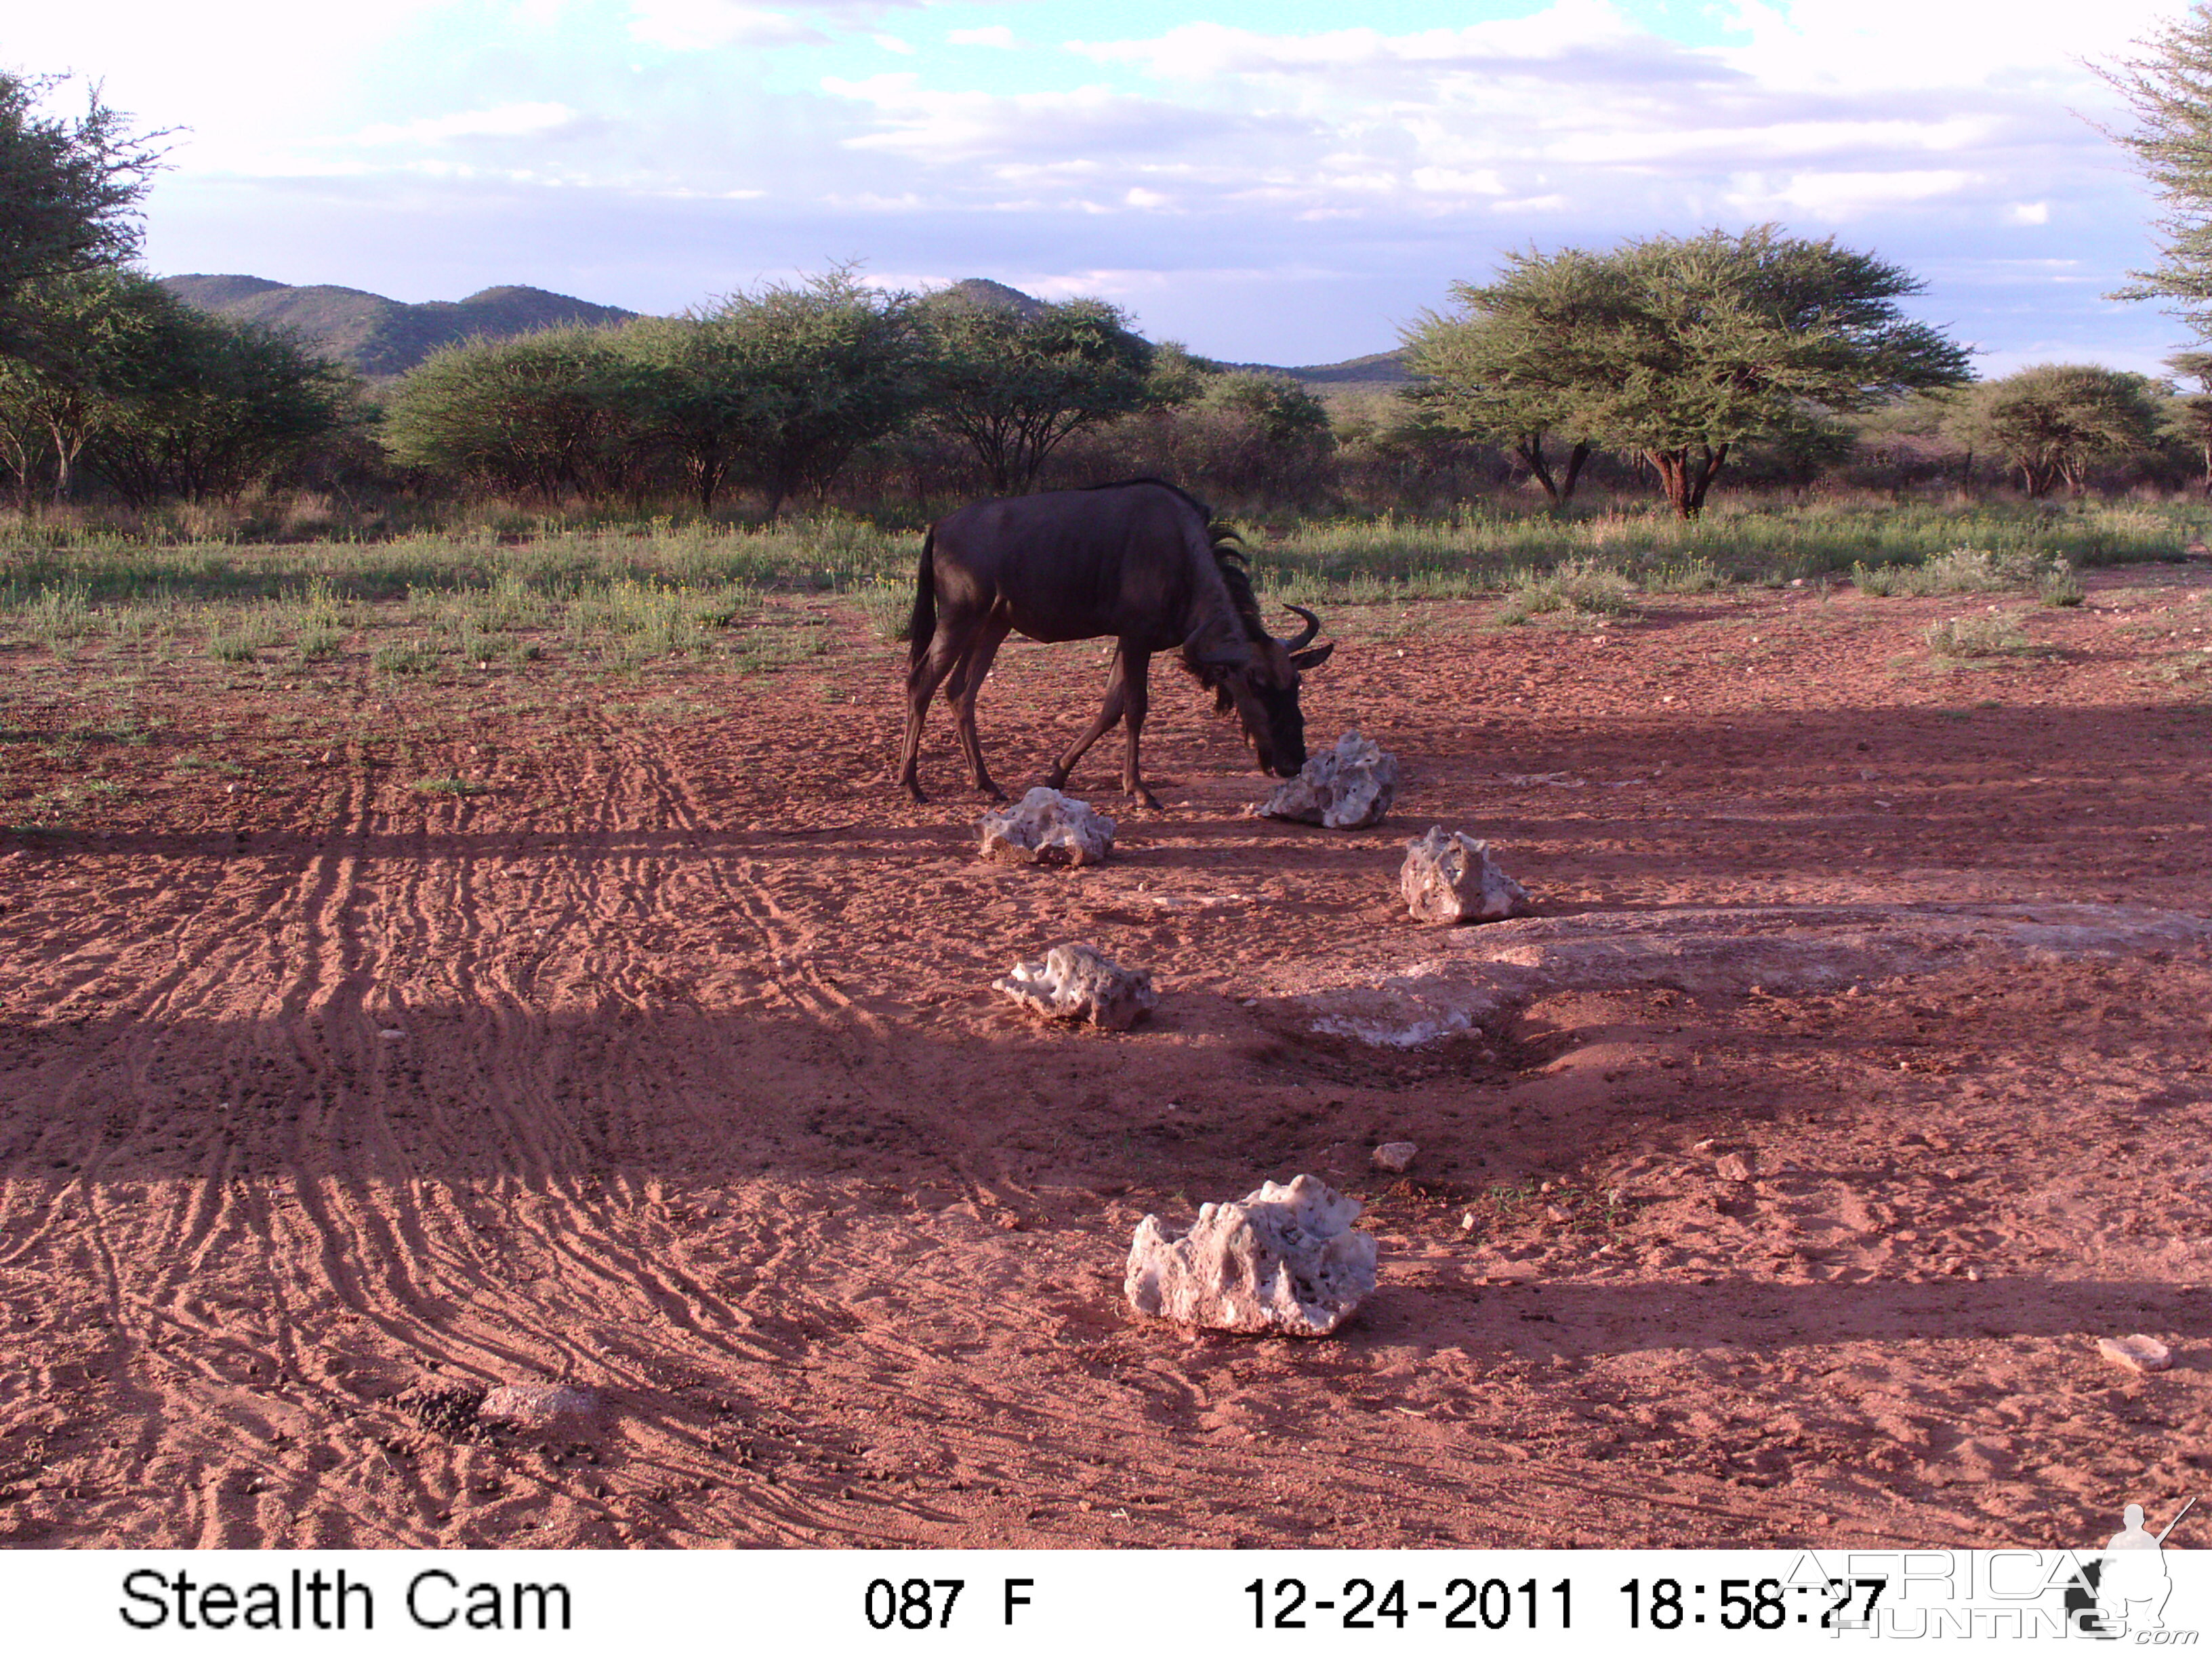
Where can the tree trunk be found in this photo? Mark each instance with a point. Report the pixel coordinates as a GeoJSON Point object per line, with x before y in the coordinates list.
{"type": "Point", "coordinates": [1684, 478]}
{"type": "Point", "coordinates": [1560, 490]}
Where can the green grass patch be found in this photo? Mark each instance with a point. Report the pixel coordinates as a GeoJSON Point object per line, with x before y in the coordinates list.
{"type": "Point", "coordinates": [405, 657]}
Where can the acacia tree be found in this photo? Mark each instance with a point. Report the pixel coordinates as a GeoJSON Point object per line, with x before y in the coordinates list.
{"type": "Point", "coordinates": [70, 191]}
{"type": "Point", "coordinates": [548, 412]}
{"type": "Point", "coordinates": [1678, 348]}
{"type": "Point", "coordinates": [2057, 421]}
{"type": "Point", "coordinates": [2169, 89]}
{"type": "Point", "coordinates": [786, 382]}
{"type": "Point", "coordinates": [1505, 368]}
{"type": "Point", "coordinates": [102, 334]}
{"type": "Point", "coordinates": [2192, 416]}
{"type": "Point", "coordinates": [1013, 384]}
{"type": "Point", "coordinates": [211, 405]}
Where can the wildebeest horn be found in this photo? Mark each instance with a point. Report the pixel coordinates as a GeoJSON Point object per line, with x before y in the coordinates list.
{"type": "Point", "coordinates": [1313, 627]}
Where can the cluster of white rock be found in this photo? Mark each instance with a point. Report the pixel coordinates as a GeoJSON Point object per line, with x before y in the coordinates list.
{"type": "Point", "coordinates": [1284, 1259]}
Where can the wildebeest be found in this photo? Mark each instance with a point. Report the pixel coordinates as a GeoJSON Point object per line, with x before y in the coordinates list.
{"type": "Point", "coordinates": [1142, 563]}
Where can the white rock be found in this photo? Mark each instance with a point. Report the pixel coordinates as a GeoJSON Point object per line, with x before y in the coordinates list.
{"type": "Point", "coordinates": [1349, 787]}
{"type": "Point", "coordinates": [1047, 827]}
{"type": "Point", "coordinates": [1395, 1156]}
{"type": "Point", "coordinates": [1452, 877]}
{"type": "Point", "coordinates": [2137, 1353]}
{"type": "Point", "coordinates": [1075, 981]}
{"type": "Point", "coordinates": [1285, 1258]}
{"type": "Point", "coordinates": [535, 1405]}
{"type": "Point", "coordinates": [1734, 1166]}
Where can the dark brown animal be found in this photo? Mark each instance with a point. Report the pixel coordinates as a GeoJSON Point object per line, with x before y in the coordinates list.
{"type": "Point", "coordinates": [1141, 563]}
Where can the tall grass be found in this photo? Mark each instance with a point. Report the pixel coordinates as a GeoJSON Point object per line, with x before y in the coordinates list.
{"type": "Point", "coordinates": [624, 592]}
{"type": "Point", "coordinates": [1478, 550]}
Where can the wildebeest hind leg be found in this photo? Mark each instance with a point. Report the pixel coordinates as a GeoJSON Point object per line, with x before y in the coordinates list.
{"type": "Point", "coordinates": [946, 647]}
{"type": "Point", "coordinates": [966, 685]}
{"type": "Point", "coordinates": [1110, 711]}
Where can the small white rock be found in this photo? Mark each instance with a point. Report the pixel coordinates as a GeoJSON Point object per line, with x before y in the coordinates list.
{"type": "Point", "coordinates": [1733, 1166]}
{"type": "Point", "coordinates": [2137, 1353]}
{"type": "Point", "coordinates": [1395, 1156]}
{"type": "Point", "coordinates": [536, 1405]}
{"type": "Point", "coordinates": [391, 1034]}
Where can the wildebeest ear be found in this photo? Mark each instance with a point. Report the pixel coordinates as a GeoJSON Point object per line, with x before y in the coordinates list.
{"type": "Point", "coordinates": [1306, 660]}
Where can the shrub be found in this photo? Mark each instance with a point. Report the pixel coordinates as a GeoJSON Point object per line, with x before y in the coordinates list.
{"type": "Point", "coordinates": [1575, 584]}
{"type": "Point", "coordinates": [1992, 635]}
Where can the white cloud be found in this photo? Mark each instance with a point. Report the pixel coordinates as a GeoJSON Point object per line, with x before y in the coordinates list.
{"type": "Point", "coordinates": [892, 43]}
{"type": "Point", "coordinates": [927, 125]}
{"type": "Point", "coordinates": [998, 35]}
{"type": "Point", "coordinates": [506, 121]}
{"type": "Point", "coordinates": [1209, 52]}
{"type": "Point", "coordinates": [1835, 196]}
{"type": "Point", "coordinates": [704, 25]}
{"type": "Point", "coordinates": [1875, 45]}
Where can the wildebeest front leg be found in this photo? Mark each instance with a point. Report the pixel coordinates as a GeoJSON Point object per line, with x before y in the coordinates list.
{"type": "Point", "coordinates": [966, 684]}
{"type": "Point", "coordinates": [1137, 696]}
{"type": "Point", "coordinates": [1108, 713]}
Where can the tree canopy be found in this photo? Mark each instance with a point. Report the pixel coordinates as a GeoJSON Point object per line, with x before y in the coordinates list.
{"type": "Point", "coordinates": [70, 191]}
{"type": "Point", "coordinates": [2169, 90]}
{"type": "Point", "coordinates": [1676, 348]}
{"type": "Point", "coordinates": [1013, 385]}
{"type": "Point", "coordinates": [1507, 368]}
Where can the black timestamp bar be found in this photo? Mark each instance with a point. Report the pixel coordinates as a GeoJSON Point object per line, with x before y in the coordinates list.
{"type": "Point", "coordinates": [1751, 1603]}
{"type": "Point", "coordinates": [1386, 1604]}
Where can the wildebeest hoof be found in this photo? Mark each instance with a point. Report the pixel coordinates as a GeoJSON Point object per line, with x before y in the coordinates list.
{"type": "Point", "coordinates": [1144, 797]}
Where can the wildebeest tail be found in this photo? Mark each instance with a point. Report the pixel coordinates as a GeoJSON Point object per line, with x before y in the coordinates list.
{"type": "Point", "coordinates": [922, 626]}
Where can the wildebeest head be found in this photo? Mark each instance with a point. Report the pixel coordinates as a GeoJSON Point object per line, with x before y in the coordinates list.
{"type": "Point", "coordinates": [1259, 679]}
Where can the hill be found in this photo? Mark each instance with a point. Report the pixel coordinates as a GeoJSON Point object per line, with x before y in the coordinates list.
{"type": "Point", "coordinates": [1377, 369]}
{"type": "Point", "coordinates": [380, 338]}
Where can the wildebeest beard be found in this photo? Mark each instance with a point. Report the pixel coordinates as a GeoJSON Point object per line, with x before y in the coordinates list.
{"type": "Point", "coordinates": [1274, 726]}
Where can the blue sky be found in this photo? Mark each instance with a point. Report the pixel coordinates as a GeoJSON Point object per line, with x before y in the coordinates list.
{"type": "Point", "coordinates": [1269, 182]}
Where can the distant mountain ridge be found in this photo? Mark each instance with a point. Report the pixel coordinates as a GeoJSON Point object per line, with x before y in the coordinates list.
{"type": "Point", "coordinates": [381, 337]}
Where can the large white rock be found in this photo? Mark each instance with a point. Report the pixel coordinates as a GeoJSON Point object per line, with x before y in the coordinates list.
{"type": "Point", "coordinates": [1075, 981]}
{"type": "Point", "coordinates": [1452, 877]}
{"type": "Point", "coordinates": [1348, 788]}
{"type": "Point", "coordinates": [1047, 827]}
{"type": "Point", "coordinates": [1284, 1259]}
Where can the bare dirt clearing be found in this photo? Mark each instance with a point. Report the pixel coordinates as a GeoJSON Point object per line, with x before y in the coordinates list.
{"type": "Point", "coordinates": [367, 1040]}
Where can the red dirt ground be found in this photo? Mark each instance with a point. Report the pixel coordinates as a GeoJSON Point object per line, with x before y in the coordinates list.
{"type": "Point", "coordinates": [665, 1062]}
